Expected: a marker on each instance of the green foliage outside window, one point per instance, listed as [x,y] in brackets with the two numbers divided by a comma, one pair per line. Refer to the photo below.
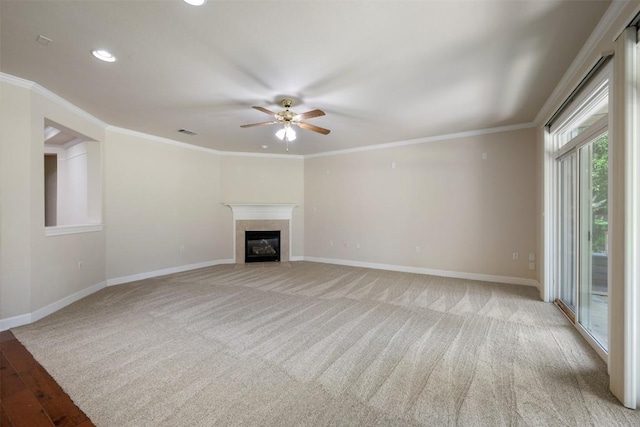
[599,182]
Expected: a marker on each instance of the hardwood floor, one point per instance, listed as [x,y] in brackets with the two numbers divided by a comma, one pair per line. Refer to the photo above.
[29,396]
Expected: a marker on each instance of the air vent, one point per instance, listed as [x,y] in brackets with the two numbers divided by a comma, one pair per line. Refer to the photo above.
[43,40]
[187,131]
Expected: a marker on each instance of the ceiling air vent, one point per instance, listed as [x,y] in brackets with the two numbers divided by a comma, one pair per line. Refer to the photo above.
[187,131]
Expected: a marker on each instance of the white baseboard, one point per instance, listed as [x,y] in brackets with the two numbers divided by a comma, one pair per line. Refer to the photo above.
[25,319]
[429,271]
[165,271]
[62,303]
[15,321]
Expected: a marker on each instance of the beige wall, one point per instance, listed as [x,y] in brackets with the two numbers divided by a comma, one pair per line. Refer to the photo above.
[159,198]
[266,180]
[466,214]
[36,270]
[15,178]
[54,259]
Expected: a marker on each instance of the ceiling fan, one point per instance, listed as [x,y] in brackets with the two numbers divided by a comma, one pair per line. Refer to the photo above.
[288,118]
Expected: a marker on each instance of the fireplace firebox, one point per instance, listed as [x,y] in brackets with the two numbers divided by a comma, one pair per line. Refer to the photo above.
[262,246]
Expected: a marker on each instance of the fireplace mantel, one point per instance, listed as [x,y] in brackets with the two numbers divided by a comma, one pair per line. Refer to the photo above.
[261,212]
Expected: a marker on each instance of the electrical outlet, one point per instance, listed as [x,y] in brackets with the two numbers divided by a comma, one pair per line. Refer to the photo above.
[532,257]
[532,266]
[183,248]
[393,165]
[357,245]
[515,255]
[484,156]
[330,242]
[417,249]
[79,265]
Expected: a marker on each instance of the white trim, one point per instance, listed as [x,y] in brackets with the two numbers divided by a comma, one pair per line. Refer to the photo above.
[592,341]
[15,321]
[28,84]
[17,81]
[62,303]
[166,271]
[160,139]
[295,258]
[424,140]
[188,146]
[429,271]
[60,230]
[266,155]
[633,249]
[261,211]
[632,223]
[592,133]
[592,96]
[25,319]
[549,197]
[582,59]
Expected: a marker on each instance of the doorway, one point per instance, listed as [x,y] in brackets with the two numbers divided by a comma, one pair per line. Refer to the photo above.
[582,180]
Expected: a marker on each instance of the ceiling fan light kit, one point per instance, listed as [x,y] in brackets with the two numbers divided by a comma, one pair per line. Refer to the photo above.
[286,133]
[288,118]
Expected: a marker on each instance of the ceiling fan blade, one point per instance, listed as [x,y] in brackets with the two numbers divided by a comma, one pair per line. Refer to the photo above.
[318,129]
[264,110]
[310,114]
[259,124]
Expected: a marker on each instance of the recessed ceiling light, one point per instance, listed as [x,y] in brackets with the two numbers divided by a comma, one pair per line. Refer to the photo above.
[195,2]
[103,55]
[265,146]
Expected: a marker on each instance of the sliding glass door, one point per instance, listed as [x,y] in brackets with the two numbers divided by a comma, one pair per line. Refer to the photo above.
[582,269]
[567,266]
[594,223]
[581,149]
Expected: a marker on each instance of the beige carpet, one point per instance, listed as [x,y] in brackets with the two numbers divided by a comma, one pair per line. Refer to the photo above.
[315,344]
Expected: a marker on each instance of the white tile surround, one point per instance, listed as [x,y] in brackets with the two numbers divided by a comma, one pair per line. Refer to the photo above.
[253,216]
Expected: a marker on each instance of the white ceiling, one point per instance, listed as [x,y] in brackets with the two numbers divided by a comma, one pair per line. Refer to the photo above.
[383,71]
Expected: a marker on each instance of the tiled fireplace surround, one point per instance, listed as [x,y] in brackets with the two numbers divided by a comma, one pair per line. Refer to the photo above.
[262,217]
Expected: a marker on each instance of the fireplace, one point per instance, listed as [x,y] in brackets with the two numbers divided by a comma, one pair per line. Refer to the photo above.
[262,246]
[259,217]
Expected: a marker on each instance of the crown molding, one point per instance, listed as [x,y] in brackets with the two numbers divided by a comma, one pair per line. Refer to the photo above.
[16,81]
[188,146]
[28,84]
[585,59]
[35,87]
[266,155]
[424,140]
[154,138]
